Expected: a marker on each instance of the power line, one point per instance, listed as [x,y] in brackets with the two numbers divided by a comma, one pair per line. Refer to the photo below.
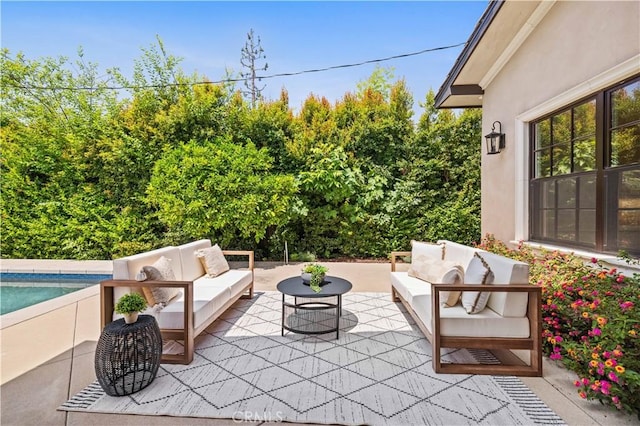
[235,80]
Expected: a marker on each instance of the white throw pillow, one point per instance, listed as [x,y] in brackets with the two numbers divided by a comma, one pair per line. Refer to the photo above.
[438,271]
[213,260]
[479,273]
[161,270]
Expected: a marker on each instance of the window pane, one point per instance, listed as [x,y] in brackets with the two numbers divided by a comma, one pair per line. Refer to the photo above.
[567,224]
[625,104]
[584,119]
[543,163]
[587,232]
[566,193]
[543,133]
[584,155]
[625,145]
[588,192]
[548,225]
[629,229]
[562,127]
[548,195]
[629,190]
[561,160]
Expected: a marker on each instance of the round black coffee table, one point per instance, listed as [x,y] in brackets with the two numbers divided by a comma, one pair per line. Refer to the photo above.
[311,315]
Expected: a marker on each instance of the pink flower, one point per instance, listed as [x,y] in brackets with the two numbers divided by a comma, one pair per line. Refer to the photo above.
[585,381]
[577,383]
[626,305]
[612,376]
[555,356]
[594,260]
[620,278]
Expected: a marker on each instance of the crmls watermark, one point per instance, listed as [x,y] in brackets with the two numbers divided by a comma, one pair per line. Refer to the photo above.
[253,416]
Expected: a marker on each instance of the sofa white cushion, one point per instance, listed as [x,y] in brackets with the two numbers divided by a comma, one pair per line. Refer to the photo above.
[206,301]
[456,322]
[458,253]
[508,271]
[419,248]
[191,266]
[408,287]
[235,280]
[478,273]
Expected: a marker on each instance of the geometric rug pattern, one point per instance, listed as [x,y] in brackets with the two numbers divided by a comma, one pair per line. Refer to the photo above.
[378,372]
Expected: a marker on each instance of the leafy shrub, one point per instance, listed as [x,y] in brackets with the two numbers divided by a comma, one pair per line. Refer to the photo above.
[591,322]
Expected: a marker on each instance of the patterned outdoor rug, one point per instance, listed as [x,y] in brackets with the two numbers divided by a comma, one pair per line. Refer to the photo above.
[378,373]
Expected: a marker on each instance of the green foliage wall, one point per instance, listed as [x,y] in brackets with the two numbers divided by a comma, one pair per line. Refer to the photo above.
[97,174]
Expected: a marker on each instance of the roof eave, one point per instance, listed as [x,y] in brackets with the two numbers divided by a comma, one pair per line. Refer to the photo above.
[448,88]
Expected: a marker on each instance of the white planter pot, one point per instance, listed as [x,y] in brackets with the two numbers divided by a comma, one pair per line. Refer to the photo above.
[131,317]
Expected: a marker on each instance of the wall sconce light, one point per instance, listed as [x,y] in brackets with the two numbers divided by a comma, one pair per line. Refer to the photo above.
[495,140]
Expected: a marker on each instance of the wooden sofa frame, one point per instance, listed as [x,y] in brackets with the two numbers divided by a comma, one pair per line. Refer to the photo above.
[498,346]
[188,333]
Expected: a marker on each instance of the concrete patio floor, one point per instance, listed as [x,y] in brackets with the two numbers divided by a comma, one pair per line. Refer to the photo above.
[48,353]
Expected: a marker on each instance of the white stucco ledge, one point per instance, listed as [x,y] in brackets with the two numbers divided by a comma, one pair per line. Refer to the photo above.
[604,259]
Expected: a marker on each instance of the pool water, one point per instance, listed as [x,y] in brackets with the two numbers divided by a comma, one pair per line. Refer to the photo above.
[19,290]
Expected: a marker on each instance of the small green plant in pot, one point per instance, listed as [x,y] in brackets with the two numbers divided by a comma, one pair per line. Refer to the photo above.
[313,274]
[130,305]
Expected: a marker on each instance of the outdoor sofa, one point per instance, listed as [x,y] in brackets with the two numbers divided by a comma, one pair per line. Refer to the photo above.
[509,324]
[200,300]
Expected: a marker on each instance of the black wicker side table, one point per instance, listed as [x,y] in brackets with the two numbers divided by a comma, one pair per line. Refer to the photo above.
[128,355]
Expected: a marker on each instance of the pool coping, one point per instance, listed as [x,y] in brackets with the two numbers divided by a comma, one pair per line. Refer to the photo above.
[60,266]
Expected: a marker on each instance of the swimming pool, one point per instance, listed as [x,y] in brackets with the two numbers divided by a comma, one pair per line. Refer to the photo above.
[19,290]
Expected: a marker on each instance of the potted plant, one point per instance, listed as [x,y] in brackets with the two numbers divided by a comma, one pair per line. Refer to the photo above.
[313,275]
[130,305]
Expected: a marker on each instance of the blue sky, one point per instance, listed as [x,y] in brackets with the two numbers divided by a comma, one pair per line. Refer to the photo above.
[295,36]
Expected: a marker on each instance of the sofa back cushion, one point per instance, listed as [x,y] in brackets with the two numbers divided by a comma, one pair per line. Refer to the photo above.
[126,268]
[191,265]
[508,271]
[422,249]
[458,253]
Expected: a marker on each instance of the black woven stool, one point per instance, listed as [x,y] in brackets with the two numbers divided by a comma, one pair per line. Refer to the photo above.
[128,355]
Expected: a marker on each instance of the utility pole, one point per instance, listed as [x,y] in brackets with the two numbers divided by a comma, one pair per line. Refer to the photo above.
[252,52]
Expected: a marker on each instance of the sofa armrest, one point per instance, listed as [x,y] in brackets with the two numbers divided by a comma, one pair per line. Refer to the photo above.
[394,255]
[248,253]
[107,304]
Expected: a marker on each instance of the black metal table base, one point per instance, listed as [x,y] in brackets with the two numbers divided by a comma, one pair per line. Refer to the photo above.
[312,317]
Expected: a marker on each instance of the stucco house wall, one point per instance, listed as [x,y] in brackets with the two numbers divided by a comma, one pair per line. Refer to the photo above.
[573,44]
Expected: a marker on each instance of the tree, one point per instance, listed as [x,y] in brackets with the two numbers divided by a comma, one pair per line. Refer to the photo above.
[252,52]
